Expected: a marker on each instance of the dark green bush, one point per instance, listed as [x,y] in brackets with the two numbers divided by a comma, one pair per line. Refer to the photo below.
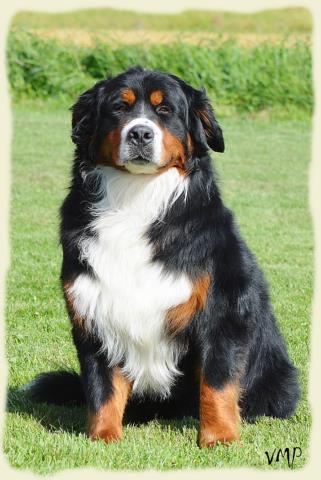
[250,79]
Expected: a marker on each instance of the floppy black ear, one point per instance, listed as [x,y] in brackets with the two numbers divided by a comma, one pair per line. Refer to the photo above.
[204,112]
[84,116]
[203,125]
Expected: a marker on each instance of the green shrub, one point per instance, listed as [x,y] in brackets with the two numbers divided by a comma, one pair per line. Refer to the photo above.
[251,79]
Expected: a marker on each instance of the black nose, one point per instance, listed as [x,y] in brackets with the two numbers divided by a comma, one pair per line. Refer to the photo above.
[140,135]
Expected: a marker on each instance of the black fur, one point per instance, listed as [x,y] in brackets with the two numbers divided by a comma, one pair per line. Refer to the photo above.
[236,334]
[60,388]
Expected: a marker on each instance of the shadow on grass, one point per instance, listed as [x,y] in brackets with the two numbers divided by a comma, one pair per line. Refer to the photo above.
[52,417]
[72,419]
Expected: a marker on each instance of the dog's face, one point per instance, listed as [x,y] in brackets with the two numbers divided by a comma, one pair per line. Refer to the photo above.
[145,121]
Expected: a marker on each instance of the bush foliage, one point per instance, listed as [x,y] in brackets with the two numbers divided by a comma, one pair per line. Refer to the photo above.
[249,78]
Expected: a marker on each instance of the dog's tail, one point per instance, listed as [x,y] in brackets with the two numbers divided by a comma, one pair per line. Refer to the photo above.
[58,388]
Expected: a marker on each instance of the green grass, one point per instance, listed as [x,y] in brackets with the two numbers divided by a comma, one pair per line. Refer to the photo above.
[288,20]
[264,179]
[266,76]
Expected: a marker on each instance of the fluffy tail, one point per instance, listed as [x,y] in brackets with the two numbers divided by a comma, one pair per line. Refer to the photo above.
[58,388]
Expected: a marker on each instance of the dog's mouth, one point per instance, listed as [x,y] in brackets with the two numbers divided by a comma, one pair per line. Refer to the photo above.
[140,160]
[140,165]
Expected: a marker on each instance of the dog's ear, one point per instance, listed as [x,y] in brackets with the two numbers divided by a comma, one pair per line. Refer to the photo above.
[203,110]
[84,116]
[203,125]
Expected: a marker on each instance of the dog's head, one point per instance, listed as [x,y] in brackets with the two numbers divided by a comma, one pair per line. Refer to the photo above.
[144,121]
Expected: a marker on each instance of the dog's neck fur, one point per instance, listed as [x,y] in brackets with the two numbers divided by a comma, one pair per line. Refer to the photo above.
[144,196]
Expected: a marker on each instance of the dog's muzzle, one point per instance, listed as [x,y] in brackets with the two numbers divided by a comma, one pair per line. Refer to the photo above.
[140,148]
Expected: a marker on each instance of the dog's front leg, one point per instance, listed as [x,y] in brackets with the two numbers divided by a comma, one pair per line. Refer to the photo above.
[105,422]
[222,360]
[219,413]
[107,390]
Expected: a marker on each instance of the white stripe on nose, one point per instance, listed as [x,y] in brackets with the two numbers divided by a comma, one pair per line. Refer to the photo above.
[157,140]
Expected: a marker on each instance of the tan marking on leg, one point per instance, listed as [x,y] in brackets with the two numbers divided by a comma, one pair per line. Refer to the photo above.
[178,317]
[128,96]
[156,97]
[219,414]
[106,424]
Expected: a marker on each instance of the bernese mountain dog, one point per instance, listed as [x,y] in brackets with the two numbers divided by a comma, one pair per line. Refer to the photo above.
[169,309]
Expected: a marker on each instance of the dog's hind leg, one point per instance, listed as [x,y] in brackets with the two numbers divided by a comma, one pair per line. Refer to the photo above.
[270,383]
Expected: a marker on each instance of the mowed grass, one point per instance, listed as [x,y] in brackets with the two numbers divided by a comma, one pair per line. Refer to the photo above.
[286,20]
[263,175]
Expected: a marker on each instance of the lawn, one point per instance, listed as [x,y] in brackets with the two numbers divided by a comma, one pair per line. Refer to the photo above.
[286,20]
[263,175]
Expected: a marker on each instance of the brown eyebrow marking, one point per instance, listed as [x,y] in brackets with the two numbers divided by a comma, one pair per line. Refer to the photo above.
[156,97]
[128,96]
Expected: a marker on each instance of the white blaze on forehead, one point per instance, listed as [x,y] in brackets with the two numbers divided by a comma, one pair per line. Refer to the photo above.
[157,141]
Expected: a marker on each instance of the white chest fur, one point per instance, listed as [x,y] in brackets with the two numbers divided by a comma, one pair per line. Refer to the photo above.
[127,302]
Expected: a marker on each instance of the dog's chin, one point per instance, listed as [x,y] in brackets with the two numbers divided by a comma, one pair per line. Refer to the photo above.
[141,166]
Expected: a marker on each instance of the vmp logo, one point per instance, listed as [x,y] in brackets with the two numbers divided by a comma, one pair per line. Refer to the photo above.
[287,454]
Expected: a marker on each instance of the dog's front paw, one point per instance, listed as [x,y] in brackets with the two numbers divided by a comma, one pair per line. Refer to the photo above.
[208,439]
[108,435]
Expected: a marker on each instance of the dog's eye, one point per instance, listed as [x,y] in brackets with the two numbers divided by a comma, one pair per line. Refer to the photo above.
[120,107]
[163,109]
